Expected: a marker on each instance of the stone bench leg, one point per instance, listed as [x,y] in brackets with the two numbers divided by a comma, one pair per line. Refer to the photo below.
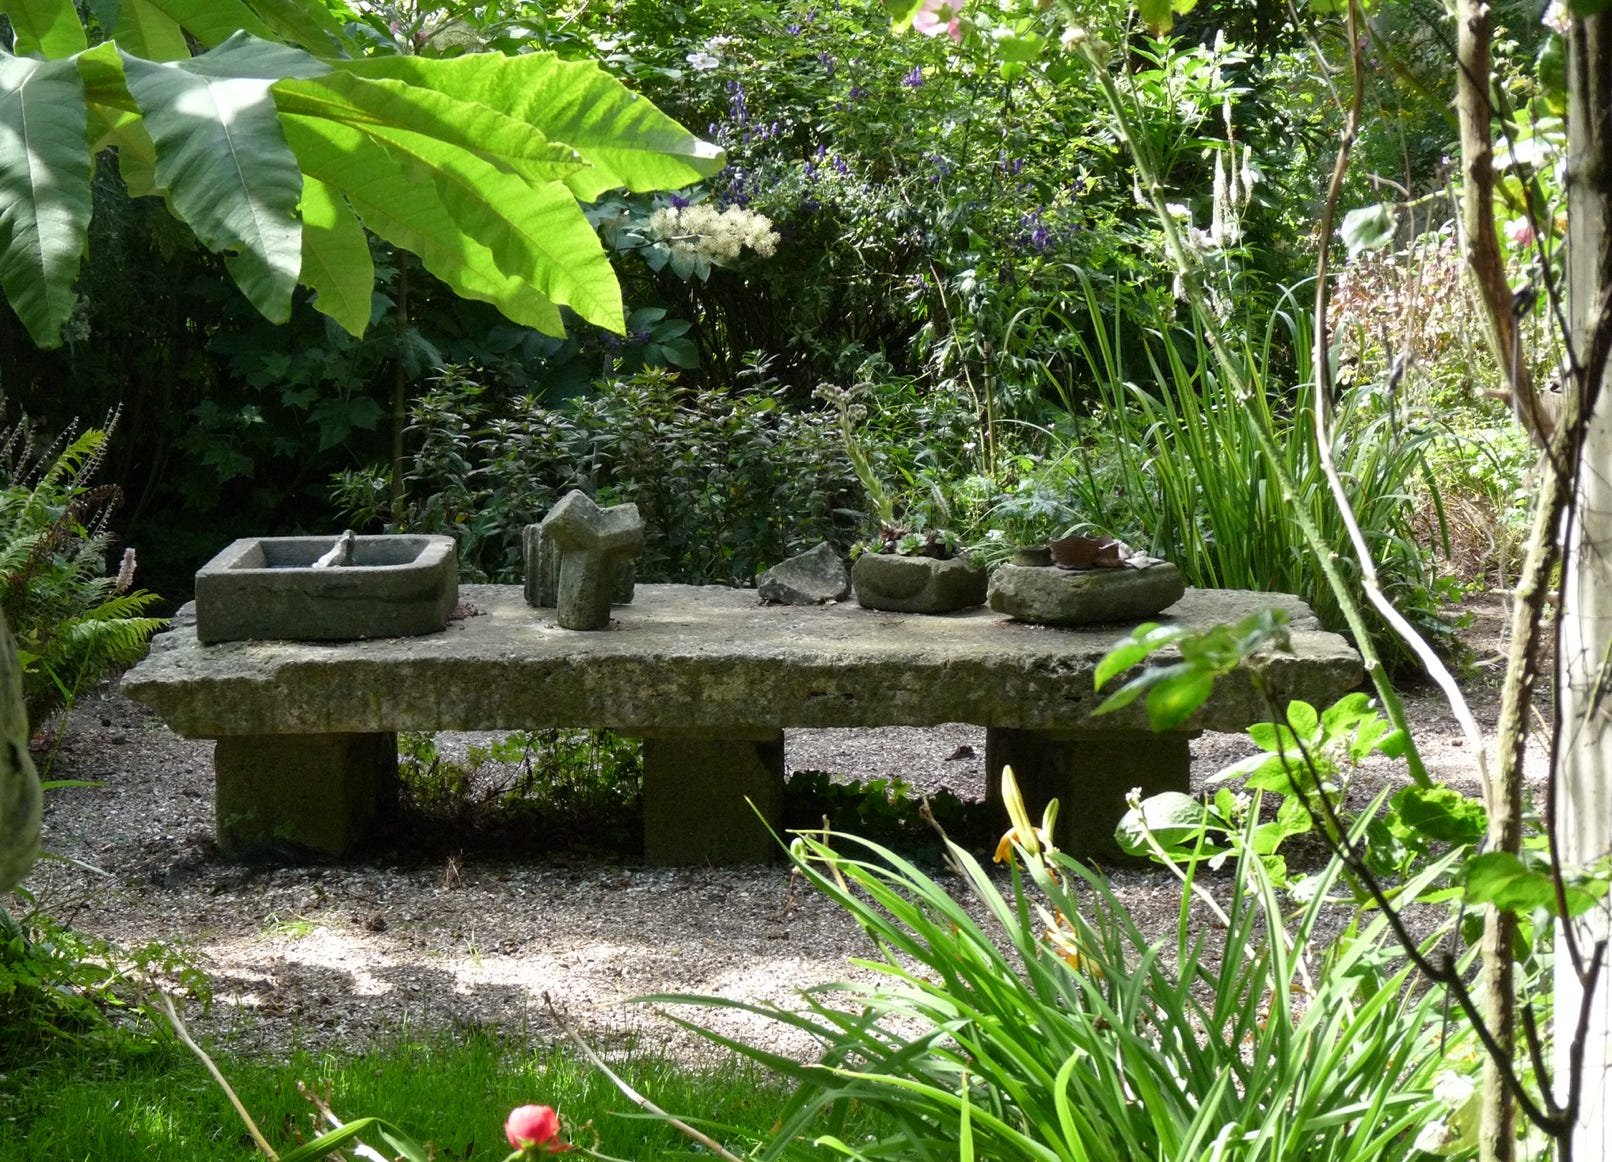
[297,793]
[1089,773]
[694,799]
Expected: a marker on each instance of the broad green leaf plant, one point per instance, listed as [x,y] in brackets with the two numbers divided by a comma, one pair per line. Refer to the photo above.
[279,149]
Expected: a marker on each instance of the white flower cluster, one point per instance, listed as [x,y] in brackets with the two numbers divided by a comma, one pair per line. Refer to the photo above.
[717,236]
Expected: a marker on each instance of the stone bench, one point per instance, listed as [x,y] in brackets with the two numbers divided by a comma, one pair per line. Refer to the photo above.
[306,753]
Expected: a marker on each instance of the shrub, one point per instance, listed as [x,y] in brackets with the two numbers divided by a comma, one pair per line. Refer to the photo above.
[728,483]
[72,621]
[58,984]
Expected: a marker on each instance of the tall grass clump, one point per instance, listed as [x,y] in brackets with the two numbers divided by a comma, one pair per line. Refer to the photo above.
[1171,457]
[1039,1021]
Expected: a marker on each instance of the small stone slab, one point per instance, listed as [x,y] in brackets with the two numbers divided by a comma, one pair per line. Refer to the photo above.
[900,584]
[1054,596]
[592,542]
[808,578]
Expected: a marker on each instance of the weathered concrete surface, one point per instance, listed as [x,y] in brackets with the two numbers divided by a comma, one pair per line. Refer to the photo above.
[268,587]
[697,662]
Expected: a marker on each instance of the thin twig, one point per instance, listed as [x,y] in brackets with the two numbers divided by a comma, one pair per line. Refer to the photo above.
[1445,973]
[167,1005]
[632,1094]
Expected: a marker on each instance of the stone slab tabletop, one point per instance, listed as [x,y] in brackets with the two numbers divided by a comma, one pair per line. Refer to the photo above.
[699,662]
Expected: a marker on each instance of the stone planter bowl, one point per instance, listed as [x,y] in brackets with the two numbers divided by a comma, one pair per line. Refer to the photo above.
[900,584]
[1054,596]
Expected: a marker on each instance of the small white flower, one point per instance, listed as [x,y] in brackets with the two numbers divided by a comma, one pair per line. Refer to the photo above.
[1433,1137]
[703,61]
[1452,1089]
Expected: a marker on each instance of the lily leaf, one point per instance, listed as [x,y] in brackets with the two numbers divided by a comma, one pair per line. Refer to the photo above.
[410,214]
[44,189]
[223,161]
[421,122]
[47,28]
[625,140]
[335,257]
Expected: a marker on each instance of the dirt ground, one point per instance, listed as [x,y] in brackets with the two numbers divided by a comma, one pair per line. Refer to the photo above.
[347,954]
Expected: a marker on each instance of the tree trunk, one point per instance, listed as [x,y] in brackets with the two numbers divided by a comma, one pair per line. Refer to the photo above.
[1584,671]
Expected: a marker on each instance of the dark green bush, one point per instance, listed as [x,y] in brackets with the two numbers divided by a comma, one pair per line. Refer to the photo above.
[728,483]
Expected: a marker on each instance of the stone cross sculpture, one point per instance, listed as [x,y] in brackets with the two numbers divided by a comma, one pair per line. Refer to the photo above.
[593,545]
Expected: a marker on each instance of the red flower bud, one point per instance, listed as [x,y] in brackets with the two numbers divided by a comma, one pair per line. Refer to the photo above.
[531,1126]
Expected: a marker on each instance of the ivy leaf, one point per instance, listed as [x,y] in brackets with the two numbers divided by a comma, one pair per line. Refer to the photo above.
[1441,813]
[1145,640]
[1368,228]
[1159,15]
[1502,879]
[1301,716]
[1173,818]
[1173,700]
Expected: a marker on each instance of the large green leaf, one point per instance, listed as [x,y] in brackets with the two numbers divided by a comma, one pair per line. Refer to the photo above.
[309,25]
[44,189]
[626,141]
[335,257]
[223,161]
[213,21]
[47,28]
[146,31]
[422,122]
[394,202]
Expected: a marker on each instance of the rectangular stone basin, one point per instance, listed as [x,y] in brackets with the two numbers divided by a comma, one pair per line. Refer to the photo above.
[266,589]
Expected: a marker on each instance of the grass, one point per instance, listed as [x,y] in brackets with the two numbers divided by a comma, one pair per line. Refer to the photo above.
[137,1099]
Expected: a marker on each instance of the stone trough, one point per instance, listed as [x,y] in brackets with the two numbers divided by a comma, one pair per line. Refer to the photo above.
[710,679]
[268,588]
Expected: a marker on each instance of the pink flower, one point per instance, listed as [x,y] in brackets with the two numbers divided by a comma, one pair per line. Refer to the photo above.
[532,1126]
[1520,231]
[937,16]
